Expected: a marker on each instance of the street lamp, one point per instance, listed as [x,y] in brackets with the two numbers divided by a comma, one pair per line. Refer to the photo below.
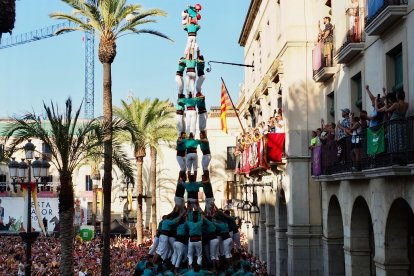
[21,174]
[255,212]
[246,208]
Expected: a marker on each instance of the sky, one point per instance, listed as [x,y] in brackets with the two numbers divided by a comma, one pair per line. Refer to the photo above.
[145,65]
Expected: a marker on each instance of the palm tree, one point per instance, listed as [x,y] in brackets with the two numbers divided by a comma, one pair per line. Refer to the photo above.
[150,122]
[161,131]
[70,143]
[7,16]
[109,19]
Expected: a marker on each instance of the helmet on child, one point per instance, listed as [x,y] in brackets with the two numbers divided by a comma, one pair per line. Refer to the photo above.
[198,7]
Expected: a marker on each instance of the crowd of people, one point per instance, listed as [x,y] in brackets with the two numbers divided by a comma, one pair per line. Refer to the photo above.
[125,253]
[126,258]
[253,140]
[346,136]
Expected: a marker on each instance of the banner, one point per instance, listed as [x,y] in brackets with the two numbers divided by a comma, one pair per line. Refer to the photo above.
[275,146]
[316,161]
[14,210]
[375,141]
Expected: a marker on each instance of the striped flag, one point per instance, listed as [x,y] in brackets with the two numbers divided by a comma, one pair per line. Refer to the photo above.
[224,106]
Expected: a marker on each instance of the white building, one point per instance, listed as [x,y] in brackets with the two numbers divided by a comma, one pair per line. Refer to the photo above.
[339,222]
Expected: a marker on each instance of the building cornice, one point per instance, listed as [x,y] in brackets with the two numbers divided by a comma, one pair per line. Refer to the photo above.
[249,20]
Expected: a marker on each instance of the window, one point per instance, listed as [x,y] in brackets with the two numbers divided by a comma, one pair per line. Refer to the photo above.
[395,75]
[231,159]
[46,151]
[88,183]
[330,106]
[356,91]
[46,180]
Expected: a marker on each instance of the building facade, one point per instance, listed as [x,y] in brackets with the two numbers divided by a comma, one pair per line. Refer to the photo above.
[340,221]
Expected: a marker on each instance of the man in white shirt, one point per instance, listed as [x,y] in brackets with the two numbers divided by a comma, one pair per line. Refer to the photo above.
[279,126]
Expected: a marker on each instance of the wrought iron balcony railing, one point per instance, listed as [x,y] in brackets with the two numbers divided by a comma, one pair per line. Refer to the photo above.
[398,149]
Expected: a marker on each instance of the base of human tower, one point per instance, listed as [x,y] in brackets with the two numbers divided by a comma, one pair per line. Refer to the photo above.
[192,241]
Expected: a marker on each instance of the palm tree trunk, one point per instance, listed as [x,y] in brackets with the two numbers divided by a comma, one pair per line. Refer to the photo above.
[140,190]
[107,180]
[66,212]
[153,171]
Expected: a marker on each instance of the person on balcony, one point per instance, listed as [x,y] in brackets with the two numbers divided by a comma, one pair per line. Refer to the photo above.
[314,140]
[355,130]
[342,134]
[279,124]
[396,127]
[375,117]
[354,32]
[327,38]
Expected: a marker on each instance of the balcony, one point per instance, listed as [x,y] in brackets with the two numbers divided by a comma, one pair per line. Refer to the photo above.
[395,158]
[51,189]
[322,71]
[382,14]
[354,40]
[260,155]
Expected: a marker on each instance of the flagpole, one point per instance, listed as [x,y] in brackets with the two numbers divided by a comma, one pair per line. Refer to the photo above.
[235,110]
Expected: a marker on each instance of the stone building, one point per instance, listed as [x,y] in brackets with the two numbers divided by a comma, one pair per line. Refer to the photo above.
[340,221]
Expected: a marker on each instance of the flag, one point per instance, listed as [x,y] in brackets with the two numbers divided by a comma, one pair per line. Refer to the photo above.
[224,106]
[275,146]
[375,141]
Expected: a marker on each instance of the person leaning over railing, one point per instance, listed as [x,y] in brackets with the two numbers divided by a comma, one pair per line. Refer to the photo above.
[355,130]
[342,134]
[396,130]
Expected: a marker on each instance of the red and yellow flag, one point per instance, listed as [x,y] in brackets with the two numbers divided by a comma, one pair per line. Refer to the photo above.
[225,105]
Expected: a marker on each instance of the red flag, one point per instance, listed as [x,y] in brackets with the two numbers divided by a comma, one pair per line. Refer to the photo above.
[275,146]
[224,106]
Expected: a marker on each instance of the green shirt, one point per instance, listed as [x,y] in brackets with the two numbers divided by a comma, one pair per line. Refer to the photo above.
[180,146]
[181,65]
[189,102]
[208,226]
[195,228]
[182,230]
[204,146]
[192,28]
[200,67]
[221,227]
[168,224]
[193,186]
[201,104]
[191,63]
[191,143]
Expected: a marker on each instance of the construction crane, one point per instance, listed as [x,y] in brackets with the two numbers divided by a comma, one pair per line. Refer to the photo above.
[89,57]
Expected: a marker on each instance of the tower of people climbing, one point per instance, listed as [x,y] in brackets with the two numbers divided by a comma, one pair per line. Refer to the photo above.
[190,235]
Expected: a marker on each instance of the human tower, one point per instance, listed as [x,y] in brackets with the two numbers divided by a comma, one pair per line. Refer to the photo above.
[190,235]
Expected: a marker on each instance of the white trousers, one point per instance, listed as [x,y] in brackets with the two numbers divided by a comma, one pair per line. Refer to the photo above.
[181,162]
[180,82]
[214,249]
[192,160]
[171,241]
[180,252]
[180,123]
[191,78]
[200,81]
[163,247]
[202,121]
[179,201]
[205,161]
[191,44]
[190,121]
[154,245]
[226,248]
[195,248]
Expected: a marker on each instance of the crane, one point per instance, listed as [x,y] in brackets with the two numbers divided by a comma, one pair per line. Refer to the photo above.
[50,31]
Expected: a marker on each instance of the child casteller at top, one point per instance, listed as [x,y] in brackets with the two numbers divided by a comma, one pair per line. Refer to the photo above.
[191,14]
